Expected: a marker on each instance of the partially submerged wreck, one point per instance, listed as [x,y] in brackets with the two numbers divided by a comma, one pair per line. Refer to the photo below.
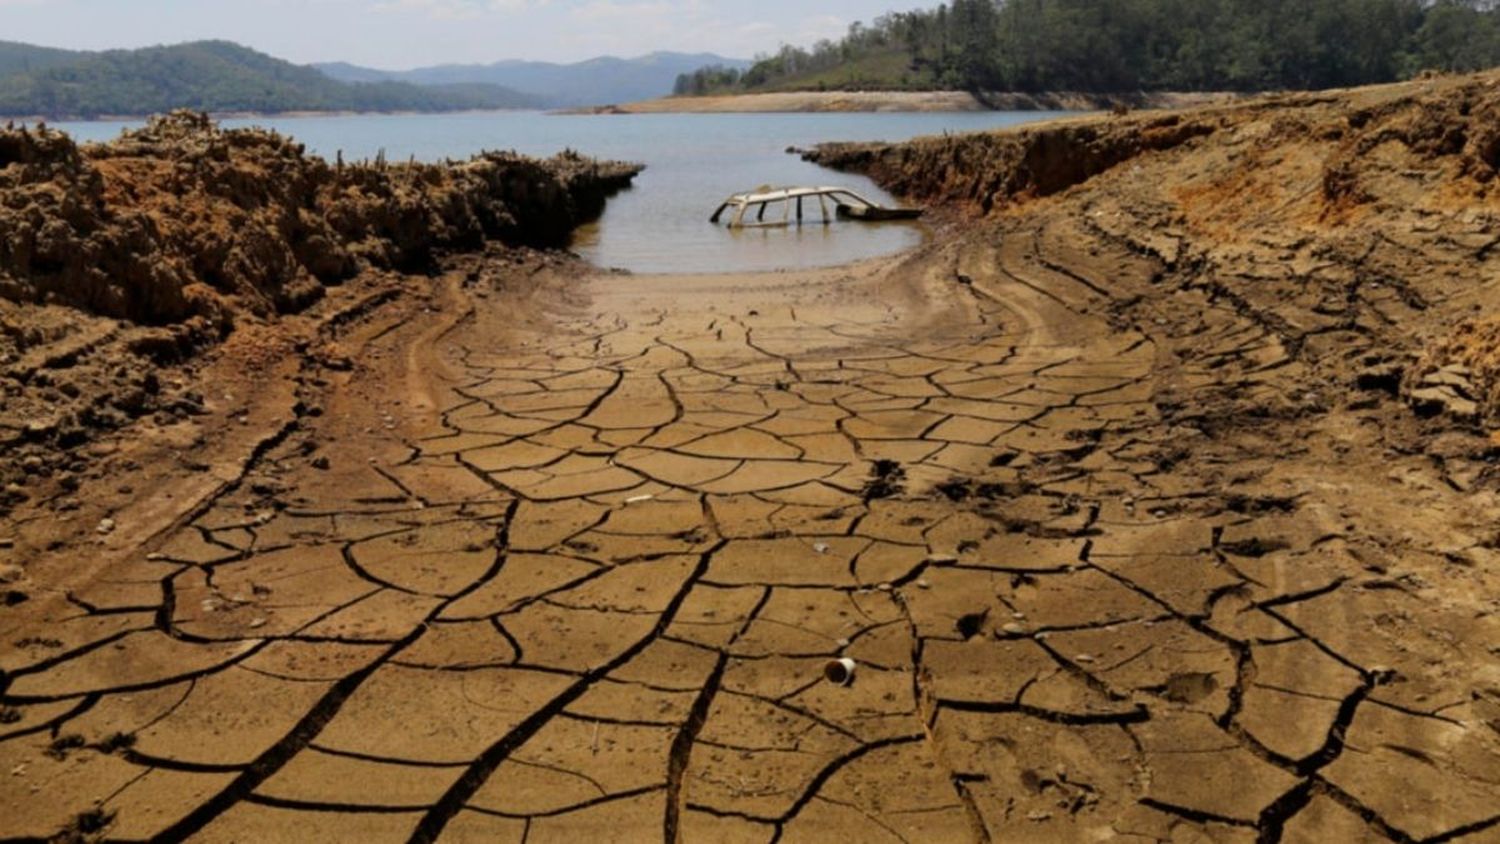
[791,203]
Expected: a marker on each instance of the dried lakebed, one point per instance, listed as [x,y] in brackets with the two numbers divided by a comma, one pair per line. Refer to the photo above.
[559,560]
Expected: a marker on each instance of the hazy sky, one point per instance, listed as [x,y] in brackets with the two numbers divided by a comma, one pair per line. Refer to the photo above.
[399,34]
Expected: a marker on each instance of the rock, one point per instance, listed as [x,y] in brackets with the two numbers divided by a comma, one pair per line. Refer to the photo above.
[322,462]
[1445,378]
[1434,400]
[40,429]
[105,526]
[1013,628]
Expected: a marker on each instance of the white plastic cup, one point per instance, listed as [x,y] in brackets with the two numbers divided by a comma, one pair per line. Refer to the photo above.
[839,672]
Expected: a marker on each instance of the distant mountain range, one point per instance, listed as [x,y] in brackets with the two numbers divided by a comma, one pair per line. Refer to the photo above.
[598,81]
[214,76]
[221,76]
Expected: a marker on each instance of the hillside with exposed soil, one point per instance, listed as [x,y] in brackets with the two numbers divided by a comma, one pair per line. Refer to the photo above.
[122,258]
[1367,218]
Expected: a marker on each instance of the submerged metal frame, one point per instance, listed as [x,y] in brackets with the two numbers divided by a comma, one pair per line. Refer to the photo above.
[764,197]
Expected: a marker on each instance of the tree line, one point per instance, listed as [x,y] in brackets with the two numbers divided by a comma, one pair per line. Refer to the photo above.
[208,76]
[1133,45]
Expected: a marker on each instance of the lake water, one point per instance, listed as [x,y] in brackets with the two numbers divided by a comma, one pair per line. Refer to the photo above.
[693,162]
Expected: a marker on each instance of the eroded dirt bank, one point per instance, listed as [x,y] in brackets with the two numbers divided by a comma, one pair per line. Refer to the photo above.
[121,262]
[1123,499]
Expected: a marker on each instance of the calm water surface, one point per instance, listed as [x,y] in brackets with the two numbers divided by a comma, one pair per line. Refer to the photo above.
[693,162]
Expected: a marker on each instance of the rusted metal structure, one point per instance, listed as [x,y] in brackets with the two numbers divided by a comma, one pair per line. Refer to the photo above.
[791,203]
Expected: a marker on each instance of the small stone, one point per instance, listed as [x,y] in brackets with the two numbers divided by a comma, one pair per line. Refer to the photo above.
[1083,658]
[941,559]
[1443,399]
[884,587]
[1459,383]
[322,463]
[821,547]
[1014,629]
[105,526]
[156,556]
[1038,816]
[7,542]
[924,584]
[257,622]
[38,428]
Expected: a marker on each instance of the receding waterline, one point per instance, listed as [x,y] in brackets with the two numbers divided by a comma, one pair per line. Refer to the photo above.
[693,161]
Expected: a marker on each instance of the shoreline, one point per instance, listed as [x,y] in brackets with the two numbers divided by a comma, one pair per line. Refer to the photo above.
[33,119]
[905,101]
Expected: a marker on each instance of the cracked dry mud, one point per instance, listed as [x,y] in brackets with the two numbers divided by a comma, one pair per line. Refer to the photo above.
[1119,549]
[575,569]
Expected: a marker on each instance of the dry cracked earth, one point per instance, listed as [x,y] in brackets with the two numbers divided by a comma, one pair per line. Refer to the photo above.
[572,568]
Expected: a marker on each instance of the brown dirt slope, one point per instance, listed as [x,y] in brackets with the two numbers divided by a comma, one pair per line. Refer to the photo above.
[119,259]
[168,222]
[1370,212]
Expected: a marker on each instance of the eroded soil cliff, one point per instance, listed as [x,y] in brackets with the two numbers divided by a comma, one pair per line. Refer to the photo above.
[122,258]
[1359,224]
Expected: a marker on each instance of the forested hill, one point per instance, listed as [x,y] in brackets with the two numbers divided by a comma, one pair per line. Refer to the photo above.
[606,79]
[1132,45]
[214,76]
[25,58]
